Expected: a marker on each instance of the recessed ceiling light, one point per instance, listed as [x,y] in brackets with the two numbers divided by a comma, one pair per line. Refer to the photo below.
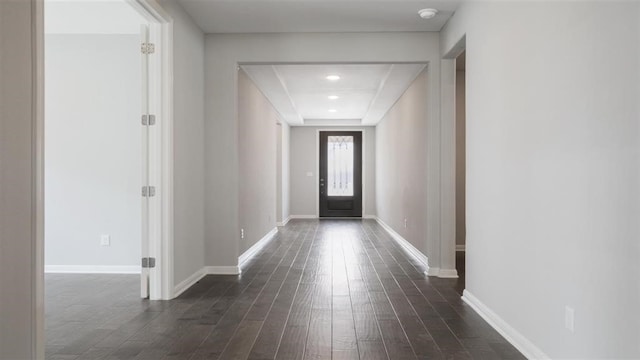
[333,97]
[333,110]
[427,13]
[333,77]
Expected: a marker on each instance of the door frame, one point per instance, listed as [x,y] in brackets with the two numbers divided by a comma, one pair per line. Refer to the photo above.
[160,147]
[364,167]
[448,160]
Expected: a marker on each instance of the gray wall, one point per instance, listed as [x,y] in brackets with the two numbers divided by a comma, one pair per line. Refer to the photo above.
[286,171]
[257,125]
[188,143]
[93,146]
[21,226]
[224,52]
[304,159]
[553,170]
[283,134]
[461,231]
[401,167]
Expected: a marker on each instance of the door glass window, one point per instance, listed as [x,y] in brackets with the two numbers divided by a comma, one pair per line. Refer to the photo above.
[340,166]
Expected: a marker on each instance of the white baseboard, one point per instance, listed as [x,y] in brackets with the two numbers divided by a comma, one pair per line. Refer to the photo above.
[369,217]
[222,270]
[461,247]
[410,248]
[284,222]
[303,216]
[526,347]
[92,269]
[448,273]
[432,271]
[257,247]
[188,282]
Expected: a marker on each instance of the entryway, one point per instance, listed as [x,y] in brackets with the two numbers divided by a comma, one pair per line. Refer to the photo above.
[340,182]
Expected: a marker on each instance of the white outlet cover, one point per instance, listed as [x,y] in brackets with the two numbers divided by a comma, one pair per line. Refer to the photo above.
[569,318]
[309,174]
[105,240]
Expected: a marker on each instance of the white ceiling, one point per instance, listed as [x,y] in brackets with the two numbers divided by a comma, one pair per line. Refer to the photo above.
[260,16]
[91,17]
[300,93]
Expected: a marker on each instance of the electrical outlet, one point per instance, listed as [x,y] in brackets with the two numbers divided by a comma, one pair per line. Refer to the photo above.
[241,233]
[569,317]
[405,223]
[105,240]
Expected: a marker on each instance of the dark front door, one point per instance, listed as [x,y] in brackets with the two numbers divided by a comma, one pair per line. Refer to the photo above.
[340,174]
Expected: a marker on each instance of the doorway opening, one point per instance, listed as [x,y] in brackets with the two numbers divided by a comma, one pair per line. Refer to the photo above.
[107,131]
[460,125]
[94,164]
[106,163]
[340,180]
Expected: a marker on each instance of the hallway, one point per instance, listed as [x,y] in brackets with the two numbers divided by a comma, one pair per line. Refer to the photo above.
[330,289]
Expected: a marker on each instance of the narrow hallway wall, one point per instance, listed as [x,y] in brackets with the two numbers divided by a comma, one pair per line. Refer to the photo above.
[257,124]
[188,143]
[401,166]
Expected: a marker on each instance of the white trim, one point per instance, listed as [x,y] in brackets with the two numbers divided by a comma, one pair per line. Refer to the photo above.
[303,217]
[257,247]
[222,270]
[365,216]
[526,347]
[161,149]
[285,222]
[407,246]
[188,282]
[432,271]
[447,176]
[448,273]
[462,247]
[92,269]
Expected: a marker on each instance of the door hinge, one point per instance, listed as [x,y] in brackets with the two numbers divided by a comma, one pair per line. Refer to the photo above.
[148,120]
[148,262]
[148,191]
[148,48]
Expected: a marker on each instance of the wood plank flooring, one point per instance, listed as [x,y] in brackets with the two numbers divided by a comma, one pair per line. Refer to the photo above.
[328,289]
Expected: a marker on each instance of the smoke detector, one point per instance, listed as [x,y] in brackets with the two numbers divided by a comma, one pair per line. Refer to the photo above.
[427,13]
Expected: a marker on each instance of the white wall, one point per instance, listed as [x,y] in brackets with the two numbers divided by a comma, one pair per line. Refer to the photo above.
[401,169]
[93,147]
[188,143]
[553,170]
[460,158]
[257,124]
[223,54]
[304,159]
[21,218]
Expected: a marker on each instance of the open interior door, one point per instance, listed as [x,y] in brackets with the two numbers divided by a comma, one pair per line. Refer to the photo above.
[147,191]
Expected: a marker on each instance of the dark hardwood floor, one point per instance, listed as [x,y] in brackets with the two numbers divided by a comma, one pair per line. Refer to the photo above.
[330,289]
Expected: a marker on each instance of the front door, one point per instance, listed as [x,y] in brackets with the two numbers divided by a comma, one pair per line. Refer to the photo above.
[340,174]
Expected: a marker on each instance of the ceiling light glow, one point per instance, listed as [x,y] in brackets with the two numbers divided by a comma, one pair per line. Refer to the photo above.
[333,77]
[427,13]
[333,110]
[333,97]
